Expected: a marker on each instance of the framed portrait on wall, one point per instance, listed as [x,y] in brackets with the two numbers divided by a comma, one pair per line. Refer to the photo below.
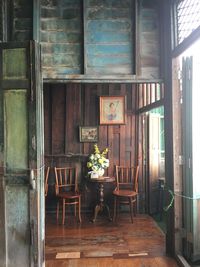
[88,133]
[112,109]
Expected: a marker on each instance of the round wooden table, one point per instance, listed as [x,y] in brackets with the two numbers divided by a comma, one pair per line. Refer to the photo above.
[101,205]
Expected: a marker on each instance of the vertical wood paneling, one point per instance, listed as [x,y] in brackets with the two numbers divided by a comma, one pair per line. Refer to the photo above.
[58,119]
[74,105]
[73,110]
[47,120]
[109,37]
[67,106]
[122,143]
[91,110]
[142,158]
[112,147]
[61,37]
[148,39]
[128,146]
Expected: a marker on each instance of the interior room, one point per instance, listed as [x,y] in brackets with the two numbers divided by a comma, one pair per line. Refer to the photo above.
[99,133]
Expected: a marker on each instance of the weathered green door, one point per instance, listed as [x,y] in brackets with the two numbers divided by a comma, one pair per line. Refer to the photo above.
[21,156]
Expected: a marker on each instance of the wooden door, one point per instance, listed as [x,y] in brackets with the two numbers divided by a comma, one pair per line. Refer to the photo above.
[191,147]
[21,156]
[187,153]
[154,160]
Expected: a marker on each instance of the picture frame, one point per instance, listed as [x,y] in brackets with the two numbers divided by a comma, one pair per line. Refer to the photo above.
[88,133]
[112,109]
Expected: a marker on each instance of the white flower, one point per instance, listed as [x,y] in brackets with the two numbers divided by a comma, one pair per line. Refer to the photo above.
[97,160]
[91,156]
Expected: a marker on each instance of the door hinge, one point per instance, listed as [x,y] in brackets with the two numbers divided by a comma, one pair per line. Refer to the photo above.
[189,163]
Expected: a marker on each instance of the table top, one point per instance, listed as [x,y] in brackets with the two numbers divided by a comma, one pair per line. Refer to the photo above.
[103,179]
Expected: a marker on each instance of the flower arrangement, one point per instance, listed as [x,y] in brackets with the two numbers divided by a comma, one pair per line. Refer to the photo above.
[98,161]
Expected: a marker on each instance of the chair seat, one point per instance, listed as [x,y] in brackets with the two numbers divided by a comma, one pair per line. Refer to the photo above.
[124,193]
[68,195]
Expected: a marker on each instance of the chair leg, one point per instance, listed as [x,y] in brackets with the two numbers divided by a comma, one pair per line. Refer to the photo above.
[75,210]
[79,209]
[57,211]
[131,208]
[63,212]
[135,206]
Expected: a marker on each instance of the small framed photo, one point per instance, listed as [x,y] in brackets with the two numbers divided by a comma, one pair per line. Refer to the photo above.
[88,133]
[112,109]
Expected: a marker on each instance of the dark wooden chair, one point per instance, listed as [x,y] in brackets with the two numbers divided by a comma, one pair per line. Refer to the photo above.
[126,190]
[67,192]
[46,186]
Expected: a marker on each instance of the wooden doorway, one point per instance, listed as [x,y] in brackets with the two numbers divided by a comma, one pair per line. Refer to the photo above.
[151,125]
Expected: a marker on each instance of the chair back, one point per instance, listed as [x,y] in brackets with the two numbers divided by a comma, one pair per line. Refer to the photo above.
[66,180]
[127,178]
[47,169]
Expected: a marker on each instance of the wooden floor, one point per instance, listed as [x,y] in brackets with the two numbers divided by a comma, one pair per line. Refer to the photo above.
[104,243]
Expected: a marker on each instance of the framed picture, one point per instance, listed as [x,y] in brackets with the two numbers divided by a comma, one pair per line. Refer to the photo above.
[112,109]
[88,133]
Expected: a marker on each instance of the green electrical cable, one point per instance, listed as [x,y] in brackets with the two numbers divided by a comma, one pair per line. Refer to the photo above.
[171,202]
[172,195]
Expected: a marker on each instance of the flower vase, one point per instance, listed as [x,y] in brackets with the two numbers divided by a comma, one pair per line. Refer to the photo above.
[94,175]
[101,172]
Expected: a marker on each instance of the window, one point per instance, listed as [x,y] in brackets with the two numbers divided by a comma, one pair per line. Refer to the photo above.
[188,18]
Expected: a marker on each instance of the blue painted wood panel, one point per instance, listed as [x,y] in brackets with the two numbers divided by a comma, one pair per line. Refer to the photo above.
[106,49]
[61,38]
[149,41]
[109,37]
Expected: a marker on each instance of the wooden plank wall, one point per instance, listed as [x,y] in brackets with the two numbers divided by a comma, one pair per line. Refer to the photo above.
[20,14]
[100,37]
[109,36]
[148,39]
[61,37]
[66,107]
[92,37]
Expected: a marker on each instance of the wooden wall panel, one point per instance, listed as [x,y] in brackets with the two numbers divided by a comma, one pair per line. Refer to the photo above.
[93,36]
[61,38]
[20,12]
[67,106]
[72,118]
[129,142]
[148,40]
[58,119]
[109,42]
[47,121]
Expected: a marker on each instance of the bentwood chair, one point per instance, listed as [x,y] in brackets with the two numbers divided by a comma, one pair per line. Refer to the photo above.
[47,169]
[126,190]
[67,193]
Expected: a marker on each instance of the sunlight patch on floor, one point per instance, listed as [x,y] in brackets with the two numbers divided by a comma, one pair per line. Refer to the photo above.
[68,255]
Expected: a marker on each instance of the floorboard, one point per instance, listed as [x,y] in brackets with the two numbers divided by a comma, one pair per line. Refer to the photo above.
[106,243]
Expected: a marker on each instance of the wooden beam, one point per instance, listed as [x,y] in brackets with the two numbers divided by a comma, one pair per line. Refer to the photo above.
[101,79]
